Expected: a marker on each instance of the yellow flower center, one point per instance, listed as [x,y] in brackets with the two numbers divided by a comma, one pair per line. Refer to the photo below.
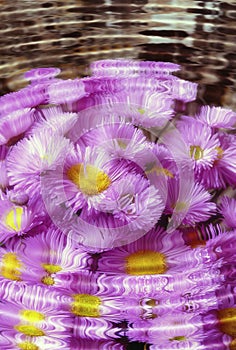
[86,305]
[196,152]
[14,218]
[121,144]
[151,168]
[90,181]
[179,206]
[29,330]
[178,338]
[10,264]
[227,319]
[50,268]
[27,346]
[146,262]
[32,316]
[48,280]
[141,110]
[220,152]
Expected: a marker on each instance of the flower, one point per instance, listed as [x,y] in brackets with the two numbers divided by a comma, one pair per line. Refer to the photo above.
[44,259]
[14,125]
[116,139]
[178,331]
[55,119]
[227,207]
[42,151]
[222,172]
[152,254]
[132,201]
[217,117]
[200,140]
[86,303]
[189,204]
[20,219]
[31,317]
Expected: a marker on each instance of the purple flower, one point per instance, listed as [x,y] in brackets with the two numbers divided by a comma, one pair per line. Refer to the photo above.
[14,125]
[42,151]
[201,142]
[177,331]
[32,315]
[132,201]
[189,204]
[217,117]
[223,170]
[84,301]
[44,258]
[153,254]
[19,219]
[227,208]
[55,119]
[116,139]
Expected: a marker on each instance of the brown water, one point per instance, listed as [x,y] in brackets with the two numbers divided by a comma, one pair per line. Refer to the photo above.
[200,35]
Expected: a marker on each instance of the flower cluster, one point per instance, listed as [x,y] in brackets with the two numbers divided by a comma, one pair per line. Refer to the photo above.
[117,213]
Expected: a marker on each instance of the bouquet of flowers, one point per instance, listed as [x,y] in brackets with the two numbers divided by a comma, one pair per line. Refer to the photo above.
[117,213]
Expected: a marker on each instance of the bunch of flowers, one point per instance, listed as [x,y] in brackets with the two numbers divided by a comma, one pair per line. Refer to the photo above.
[117,213]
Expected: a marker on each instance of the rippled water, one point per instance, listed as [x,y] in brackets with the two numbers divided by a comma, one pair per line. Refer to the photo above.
[200,35]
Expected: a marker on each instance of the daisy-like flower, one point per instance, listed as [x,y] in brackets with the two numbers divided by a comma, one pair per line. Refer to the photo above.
[220,322]
[201,142]
[117,139]
[31,318]
[19,219]
[177,331]
[55,119]
[188,204]
[217,117]
[223,169]
[29,97]
[65,91]
[44,258]
[42,151]
[153,254]
[14,125]
[227,207]
[145,108]
[86,303]
[132,201]
[84,179]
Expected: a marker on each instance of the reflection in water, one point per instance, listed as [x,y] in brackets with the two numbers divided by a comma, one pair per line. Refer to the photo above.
[200,35]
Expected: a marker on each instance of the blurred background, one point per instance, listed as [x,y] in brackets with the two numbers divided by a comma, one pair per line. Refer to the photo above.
[70,34]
